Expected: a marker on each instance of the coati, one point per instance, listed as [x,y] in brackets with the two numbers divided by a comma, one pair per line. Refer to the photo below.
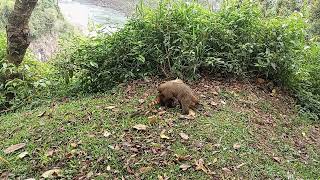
[177,90]
[170,94]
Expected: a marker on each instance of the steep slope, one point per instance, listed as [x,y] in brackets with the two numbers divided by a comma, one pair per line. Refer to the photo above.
[244,131]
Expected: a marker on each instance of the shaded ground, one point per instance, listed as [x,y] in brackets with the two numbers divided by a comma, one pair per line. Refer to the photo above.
[244,131]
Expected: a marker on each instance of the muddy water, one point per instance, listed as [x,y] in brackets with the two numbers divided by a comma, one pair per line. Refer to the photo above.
[85,15]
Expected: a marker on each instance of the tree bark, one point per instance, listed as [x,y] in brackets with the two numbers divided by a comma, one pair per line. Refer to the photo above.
[18,32]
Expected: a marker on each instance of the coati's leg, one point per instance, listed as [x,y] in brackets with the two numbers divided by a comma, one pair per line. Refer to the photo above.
[185,105]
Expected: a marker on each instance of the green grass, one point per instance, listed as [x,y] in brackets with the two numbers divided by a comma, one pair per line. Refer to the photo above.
[266,127]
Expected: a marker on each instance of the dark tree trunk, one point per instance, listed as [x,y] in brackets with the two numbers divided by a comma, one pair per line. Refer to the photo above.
[18,32]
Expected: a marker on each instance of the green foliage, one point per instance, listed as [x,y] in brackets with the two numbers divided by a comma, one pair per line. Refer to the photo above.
[29,88]
[307,80]
[44,17]
[179,39]
[315,18]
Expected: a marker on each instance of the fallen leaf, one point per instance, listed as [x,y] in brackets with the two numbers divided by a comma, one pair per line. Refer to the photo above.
[42,114]
[145,169]
[186,117]
[52,173]
[141,101]
[164,177]
[140,127]
[213,103]
[160,113]
[13,148]
[50,152]
[74,145]
[277,159]
[226,170]
[236,146]
[110,107]
[163,136]
[184,167]
[215,93]
[23,154]
[223,102]
[260,81]
[240,165]
[200,165]
[215,160]
[273,92]
[182,158]
[184,136]
[152,119]
[108,168]
[106,134]
[89,175]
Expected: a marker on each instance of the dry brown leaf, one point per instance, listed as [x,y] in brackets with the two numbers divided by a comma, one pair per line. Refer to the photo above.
[226,170]
[274,92]
[215,93]
[186,117]
[13,148]
[140,127]
[52,173]
[106,134]
[200,165]
[240,165]
[277,159]
[214,160]
[213,103]
[182,158]
[110,107]
[42,114]
[145,169]
[74,145]
[164,177]
[89,175]
[23,154]
[160,113]
[236,146]
[184,136]
[141,101]
[50,152]
[184,167]
[260,81]
[152,119]
[163,136]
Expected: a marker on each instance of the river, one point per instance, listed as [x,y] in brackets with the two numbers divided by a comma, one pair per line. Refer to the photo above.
[85,15]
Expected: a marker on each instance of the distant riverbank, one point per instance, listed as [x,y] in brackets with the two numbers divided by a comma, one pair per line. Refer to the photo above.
[124,6]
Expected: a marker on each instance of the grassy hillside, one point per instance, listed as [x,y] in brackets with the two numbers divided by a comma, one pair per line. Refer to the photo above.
[242,132]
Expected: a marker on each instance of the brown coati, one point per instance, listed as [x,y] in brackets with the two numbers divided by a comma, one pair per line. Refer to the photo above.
[176,90]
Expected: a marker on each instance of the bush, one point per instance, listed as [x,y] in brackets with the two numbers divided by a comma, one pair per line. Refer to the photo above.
[28,85]
[179,39]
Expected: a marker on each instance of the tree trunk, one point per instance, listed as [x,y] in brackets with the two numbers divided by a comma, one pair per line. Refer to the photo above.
[18,32]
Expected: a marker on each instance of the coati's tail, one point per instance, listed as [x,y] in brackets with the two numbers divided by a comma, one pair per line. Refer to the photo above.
[154,102]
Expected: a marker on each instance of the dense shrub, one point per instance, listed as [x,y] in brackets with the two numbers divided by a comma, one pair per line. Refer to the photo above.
[31,85]
[179,39]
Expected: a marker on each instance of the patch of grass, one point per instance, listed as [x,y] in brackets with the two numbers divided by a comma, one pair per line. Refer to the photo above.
[88,136]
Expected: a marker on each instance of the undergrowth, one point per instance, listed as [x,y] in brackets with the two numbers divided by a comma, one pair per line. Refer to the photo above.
[186,40]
